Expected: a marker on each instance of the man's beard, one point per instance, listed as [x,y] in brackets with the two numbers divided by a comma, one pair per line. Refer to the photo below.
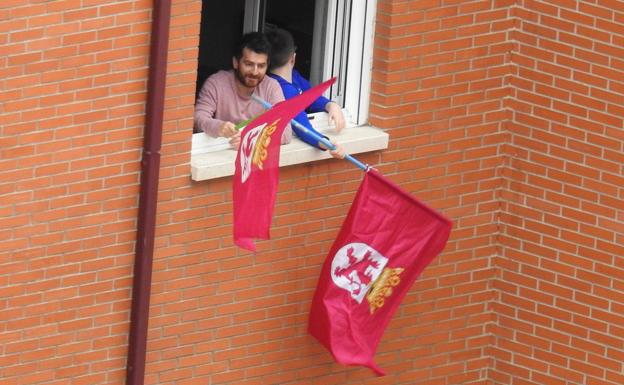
[248,81]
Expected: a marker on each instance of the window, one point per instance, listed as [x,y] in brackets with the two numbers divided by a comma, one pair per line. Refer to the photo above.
[333,37]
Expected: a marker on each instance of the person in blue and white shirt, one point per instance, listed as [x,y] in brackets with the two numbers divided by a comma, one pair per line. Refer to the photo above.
[282,69]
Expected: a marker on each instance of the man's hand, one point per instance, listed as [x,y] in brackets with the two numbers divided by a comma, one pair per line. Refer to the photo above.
[227,129]
[235,140]
[335,115]
[338,153]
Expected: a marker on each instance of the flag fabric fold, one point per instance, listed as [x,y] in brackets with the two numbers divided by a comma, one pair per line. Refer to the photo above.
[386,241]
[257,167]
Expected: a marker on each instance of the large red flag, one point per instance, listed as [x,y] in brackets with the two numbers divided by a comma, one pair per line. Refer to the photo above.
[257,165]
[386,241]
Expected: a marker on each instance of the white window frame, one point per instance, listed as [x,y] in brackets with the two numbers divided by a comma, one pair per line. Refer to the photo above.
[349,36]
[346,47]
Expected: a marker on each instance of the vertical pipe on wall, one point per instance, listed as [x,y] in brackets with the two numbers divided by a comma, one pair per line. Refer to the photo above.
[148,195]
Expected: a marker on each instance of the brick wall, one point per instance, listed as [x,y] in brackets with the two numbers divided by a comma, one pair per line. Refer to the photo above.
[72,91]
[504,115]
[561,311]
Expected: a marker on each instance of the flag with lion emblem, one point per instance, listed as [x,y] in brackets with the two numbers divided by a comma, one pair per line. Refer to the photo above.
[386,241]
[257,165]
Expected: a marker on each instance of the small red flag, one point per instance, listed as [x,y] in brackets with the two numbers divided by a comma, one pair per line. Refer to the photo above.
[257,167]
[386,241]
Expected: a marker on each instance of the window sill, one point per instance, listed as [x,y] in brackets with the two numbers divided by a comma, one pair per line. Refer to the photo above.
[211,164]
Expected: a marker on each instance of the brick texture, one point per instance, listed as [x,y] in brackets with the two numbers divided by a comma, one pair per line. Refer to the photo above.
[559,308]
[506,116]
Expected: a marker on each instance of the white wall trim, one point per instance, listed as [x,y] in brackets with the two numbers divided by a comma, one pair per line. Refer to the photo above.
[220,163]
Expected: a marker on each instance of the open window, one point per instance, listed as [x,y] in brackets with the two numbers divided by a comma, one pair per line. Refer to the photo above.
[333,37]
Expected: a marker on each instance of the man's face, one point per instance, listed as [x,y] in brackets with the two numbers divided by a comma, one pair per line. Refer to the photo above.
[250,68]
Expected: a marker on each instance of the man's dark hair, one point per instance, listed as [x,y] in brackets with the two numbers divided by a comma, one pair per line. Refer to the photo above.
[282,47]
[255,41]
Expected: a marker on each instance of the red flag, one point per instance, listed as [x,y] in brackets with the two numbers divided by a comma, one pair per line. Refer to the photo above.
[386,241]
[257,165]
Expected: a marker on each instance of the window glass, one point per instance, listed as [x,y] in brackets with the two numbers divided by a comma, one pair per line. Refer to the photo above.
[297,17]
[221,27]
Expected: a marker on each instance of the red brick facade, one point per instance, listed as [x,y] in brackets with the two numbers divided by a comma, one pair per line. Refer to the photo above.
[507,116]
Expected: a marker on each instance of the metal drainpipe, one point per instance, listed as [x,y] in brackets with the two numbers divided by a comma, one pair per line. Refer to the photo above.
[148,195]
